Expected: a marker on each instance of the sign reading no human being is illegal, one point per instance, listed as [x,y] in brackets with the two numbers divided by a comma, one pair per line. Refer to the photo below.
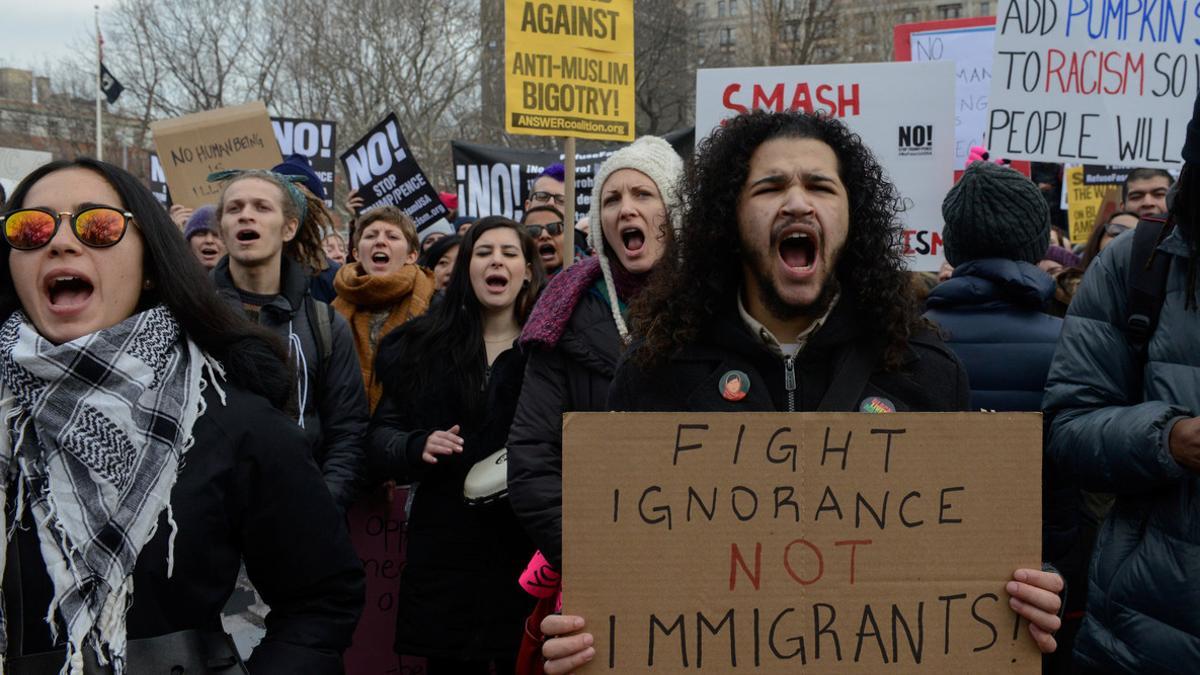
[569,68]
[801,542]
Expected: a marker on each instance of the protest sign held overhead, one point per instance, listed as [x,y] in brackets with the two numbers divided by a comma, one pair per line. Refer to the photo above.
[381,167]
[967,43]
[193,146]
[816,542]
[158,181]
[1094,82]
[316,140]
[569,68]
[909,128]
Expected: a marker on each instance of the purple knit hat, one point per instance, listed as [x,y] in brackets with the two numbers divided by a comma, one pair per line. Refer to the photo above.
[1062,256]
[202,219]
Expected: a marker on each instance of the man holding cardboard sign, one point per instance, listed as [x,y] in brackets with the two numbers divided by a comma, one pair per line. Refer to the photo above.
[816,317]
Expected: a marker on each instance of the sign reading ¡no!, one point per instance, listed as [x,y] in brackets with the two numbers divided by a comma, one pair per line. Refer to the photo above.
[770,542]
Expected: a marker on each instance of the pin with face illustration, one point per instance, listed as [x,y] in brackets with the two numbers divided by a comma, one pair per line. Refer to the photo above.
[876,404]
[734,385]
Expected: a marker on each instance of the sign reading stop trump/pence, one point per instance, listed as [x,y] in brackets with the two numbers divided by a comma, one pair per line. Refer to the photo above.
[569,68]
[833,542]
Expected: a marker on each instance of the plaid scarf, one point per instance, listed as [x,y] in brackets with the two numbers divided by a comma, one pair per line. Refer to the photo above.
[97,429]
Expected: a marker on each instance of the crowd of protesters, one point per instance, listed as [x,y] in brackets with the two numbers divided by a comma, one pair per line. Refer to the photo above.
[196,393]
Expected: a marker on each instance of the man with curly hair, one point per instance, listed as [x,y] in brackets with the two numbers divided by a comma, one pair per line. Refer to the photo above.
[787,276]
[813,305]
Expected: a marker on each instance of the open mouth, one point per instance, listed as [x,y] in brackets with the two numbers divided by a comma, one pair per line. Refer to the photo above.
[209,251]
[496,282]
[547,251]
[380,258]
[69,291]
[633,239]
[247,235]
[798,251]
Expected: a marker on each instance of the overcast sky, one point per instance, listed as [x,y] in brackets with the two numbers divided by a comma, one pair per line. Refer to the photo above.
[40,32]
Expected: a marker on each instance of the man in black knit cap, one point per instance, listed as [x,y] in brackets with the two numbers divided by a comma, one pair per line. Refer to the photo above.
[1122,402]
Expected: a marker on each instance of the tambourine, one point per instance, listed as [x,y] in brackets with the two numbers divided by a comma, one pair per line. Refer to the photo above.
[487,481]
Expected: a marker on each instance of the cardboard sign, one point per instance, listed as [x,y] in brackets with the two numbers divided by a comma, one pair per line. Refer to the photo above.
[496,181]
[383,170]
[316,140]
[909,128]
[1094,82]
[775,542]
[193,146]
[967,43]
[568,68]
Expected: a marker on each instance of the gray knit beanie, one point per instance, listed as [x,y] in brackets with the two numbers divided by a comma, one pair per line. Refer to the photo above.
[995,212]
[658,160]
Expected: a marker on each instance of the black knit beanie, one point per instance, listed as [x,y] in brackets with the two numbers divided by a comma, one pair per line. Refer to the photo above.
[995,212]
[1191,146]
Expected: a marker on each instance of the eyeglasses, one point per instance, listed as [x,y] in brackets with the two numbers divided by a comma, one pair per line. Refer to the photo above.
[543,196]
[96,226]
[554,229]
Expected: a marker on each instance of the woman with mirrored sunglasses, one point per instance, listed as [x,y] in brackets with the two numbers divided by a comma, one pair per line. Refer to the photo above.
[145,454]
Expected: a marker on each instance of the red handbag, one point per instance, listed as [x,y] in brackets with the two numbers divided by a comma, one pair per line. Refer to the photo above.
[529,656]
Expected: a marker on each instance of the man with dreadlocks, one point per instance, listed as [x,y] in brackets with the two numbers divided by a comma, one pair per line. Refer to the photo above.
[812,312]
[1122,401]
[272,232]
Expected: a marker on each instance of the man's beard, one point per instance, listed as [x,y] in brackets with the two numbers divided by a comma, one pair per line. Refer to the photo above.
[784,311]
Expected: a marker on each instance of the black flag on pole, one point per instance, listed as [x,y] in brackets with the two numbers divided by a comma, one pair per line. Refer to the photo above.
[109,85]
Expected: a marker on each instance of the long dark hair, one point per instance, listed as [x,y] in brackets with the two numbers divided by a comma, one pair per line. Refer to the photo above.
[699,275]
[253,358]
[453,329]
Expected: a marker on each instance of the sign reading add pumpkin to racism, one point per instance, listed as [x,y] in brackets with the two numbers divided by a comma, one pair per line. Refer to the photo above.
[1096,82]
[569,68]
[385,173]
[828,542]
[903,111]
[193,146]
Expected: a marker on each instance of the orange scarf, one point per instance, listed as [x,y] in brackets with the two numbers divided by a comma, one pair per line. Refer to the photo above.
[361,297]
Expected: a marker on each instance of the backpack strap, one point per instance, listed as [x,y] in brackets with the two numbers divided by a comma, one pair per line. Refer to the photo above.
[320,320]
[1147,283]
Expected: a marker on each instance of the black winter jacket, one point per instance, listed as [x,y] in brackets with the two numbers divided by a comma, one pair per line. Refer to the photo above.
[247,490]
[574,376]
[932,379]
[331,395]
[459,596]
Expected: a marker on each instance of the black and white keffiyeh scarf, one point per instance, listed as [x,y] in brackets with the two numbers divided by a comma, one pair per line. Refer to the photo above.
[95,433]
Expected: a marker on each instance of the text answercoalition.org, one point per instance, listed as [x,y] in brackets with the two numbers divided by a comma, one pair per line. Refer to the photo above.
[568,123]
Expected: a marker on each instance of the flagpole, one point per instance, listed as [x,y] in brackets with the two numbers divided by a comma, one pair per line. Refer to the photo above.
[99,58]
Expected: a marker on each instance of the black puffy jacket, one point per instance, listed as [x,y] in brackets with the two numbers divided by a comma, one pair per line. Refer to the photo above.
[459,598]
[331,396]
[572,376]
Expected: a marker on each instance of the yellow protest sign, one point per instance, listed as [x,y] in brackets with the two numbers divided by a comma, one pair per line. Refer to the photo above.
[569,68]
[1084,202]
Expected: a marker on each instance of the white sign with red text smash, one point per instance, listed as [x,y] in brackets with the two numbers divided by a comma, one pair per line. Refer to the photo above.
[904,112]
